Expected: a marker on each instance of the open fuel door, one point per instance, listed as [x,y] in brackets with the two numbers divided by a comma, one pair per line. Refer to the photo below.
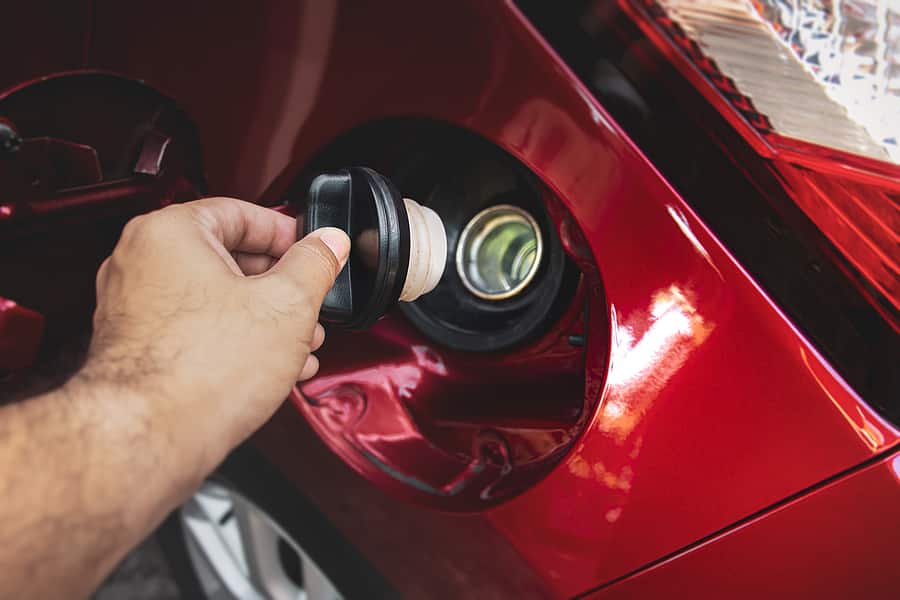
[80,154]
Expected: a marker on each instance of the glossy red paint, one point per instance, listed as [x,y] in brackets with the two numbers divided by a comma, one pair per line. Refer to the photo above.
[714,407]
[837,541]
[426,424]
[710,406]
[20,335]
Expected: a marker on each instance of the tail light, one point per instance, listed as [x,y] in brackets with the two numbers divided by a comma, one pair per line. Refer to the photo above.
[814,88]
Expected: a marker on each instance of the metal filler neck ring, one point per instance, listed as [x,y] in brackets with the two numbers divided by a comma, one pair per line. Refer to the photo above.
[499,252]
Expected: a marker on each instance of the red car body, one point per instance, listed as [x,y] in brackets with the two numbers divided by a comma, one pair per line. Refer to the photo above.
[715,452]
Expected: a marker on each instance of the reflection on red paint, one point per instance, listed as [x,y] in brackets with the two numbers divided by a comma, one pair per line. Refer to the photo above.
[861,422]
[685,227]
[647,350]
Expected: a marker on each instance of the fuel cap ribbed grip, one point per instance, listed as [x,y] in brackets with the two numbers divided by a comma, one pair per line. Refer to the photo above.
[370,209]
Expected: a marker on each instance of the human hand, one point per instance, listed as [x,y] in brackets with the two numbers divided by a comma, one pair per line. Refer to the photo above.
[208,312]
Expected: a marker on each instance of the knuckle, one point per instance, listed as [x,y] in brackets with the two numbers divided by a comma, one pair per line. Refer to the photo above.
[154,224]
[214,201]
[102,272]
[142,227]
[199,213]
[205,209]
[132,228]
[173,213]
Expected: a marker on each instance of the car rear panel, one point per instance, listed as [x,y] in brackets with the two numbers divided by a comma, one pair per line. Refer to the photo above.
[707,405]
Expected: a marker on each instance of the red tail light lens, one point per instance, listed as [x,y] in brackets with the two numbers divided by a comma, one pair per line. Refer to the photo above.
[814,87]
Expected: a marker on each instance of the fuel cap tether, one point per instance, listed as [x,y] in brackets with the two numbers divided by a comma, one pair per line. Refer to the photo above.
[398,252]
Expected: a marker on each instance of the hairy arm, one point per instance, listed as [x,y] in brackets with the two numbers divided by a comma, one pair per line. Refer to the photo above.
[87,473]
[206,316]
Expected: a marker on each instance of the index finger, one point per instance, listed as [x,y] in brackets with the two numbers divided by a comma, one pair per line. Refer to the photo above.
[245,227]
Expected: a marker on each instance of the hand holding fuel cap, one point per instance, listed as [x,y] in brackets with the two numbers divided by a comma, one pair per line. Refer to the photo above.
[212,308]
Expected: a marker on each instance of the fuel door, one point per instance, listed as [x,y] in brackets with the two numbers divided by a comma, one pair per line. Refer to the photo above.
[80,154]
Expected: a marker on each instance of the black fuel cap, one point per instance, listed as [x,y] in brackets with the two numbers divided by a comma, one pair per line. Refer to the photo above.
[369,208]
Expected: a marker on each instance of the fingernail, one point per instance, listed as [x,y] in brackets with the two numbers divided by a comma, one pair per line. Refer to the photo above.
[338,242]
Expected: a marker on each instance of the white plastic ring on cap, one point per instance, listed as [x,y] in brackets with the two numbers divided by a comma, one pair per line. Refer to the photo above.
[427,251]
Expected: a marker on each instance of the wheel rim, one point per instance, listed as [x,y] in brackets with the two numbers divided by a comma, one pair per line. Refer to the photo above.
[240,552]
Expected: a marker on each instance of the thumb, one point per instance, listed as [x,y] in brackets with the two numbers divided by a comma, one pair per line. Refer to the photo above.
[313,263]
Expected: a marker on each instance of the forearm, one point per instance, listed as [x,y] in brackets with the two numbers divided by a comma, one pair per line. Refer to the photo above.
[86,474]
